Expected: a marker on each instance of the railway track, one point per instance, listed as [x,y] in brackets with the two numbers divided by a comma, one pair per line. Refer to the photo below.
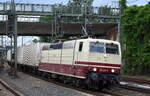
[66,86]
[137,82]
[85,90]
[127,87]
[132,79]
[139,89]
[9,88]
[112,93]
[94,92]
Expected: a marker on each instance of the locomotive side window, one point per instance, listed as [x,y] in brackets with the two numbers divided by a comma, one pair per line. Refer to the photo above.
[56,46]
[80,46]
[112,49]
[69,45]
[97,47]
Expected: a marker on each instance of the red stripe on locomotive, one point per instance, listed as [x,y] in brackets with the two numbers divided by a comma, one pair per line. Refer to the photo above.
[95,63]
[75,70]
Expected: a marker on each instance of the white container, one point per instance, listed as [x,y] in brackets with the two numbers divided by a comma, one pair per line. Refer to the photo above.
[30,54]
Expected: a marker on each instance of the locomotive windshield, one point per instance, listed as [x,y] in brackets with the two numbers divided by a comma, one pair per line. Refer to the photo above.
[112,48]
[97,47]
[100,47]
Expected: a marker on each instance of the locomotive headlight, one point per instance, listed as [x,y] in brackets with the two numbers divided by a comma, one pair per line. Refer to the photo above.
[112,70]
[94,69]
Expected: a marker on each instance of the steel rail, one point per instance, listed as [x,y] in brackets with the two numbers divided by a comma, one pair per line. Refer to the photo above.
[112,93]
[133,79]
[129,87]
[13,91]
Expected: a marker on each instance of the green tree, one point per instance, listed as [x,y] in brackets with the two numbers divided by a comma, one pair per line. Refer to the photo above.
[123,4]
[136,32]
[46,19]
[78,6]
[45,39]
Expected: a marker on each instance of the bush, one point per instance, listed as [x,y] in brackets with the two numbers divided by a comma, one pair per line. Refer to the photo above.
[136,35]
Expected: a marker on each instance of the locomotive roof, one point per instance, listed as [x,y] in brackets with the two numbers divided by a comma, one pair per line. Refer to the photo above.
[94,40]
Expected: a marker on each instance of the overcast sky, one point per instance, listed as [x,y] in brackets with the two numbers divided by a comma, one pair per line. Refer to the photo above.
[95,3]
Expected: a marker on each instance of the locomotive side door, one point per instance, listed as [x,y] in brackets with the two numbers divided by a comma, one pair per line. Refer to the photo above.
[81,55]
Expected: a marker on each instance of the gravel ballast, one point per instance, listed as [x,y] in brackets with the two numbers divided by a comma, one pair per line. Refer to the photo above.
[31,86]
[4,91]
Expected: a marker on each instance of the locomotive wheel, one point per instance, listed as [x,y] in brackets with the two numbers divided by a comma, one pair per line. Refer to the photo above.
[65,81]
[79,83]
[40,73]
[49,76]
[90,84]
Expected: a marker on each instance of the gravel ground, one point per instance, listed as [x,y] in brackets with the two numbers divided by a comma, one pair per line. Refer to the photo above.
[31,86]
[129,92]
[4,91]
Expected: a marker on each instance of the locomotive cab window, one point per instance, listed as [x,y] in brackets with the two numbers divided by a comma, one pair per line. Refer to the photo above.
[112,48]
[80,46]
[97,47]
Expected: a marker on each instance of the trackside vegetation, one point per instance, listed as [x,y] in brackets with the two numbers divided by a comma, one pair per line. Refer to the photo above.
[135,23]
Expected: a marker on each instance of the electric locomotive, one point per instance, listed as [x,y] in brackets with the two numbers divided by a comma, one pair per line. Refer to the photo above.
[95,63]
